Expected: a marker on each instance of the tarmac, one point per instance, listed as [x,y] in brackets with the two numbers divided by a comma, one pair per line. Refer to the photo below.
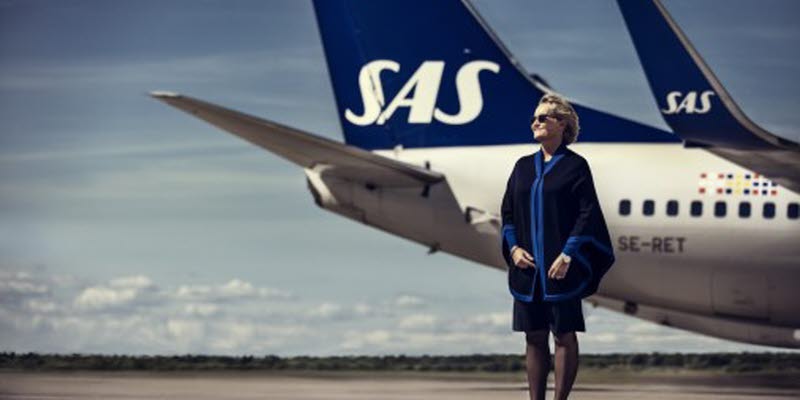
[248,385]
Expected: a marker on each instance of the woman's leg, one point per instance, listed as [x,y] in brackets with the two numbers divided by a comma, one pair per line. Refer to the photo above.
[537,362]
[566,360]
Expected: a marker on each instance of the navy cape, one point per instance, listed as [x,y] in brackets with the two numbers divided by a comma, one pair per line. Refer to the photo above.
[550,208]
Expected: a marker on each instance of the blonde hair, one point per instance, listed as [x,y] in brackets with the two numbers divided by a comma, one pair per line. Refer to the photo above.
[564,109]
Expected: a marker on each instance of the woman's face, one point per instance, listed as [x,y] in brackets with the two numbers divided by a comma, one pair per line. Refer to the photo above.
[551,129]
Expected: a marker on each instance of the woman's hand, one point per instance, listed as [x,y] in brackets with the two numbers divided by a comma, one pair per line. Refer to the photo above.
[522,258]
[559,268]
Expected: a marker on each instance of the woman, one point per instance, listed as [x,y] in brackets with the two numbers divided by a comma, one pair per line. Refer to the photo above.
[555,243]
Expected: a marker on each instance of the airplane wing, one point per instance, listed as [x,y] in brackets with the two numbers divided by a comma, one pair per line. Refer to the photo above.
[694,103]
[305,149]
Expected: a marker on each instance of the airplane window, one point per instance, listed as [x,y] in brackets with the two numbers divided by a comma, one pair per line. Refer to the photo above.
[672,207]
[625,207]
[648,207]
[697,208]
[769,210]
[744,209]
[720,209]
[793,210]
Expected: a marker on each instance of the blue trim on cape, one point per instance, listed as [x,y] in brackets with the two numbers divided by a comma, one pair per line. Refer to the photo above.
[537,219]
[510,234]
[575,242]
[571,248]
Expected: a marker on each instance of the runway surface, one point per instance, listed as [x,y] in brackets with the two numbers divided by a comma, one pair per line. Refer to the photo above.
[231,385]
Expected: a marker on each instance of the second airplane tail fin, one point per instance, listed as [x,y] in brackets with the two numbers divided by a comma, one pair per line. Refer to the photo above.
[692,100]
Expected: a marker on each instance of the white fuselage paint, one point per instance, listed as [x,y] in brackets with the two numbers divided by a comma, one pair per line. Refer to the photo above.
[736,270]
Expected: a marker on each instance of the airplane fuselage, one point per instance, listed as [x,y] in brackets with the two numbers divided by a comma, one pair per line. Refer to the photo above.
[694,259]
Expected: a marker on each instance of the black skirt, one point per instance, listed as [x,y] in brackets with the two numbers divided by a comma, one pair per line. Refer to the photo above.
[560,317]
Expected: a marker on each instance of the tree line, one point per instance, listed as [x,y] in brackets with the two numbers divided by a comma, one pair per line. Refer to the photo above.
[727,362]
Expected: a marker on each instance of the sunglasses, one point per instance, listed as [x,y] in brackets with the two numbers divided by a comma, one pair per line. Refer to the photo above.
[543,117]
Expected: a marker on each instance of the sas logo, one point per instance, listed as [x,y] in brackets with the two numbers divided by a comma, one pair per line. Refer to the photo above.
[689,103]
[424,85]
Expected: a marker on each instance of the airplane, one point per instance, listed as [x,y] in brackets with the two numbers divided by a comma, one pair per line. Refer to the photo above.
[435,112]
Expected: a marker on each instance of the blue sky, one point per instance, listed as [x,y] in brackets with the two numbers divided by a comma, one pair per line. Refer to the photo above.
[130,227]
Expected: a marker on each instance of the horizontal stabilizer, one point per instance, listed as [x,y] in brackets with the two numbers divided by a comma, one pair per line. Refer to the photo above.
[305,149]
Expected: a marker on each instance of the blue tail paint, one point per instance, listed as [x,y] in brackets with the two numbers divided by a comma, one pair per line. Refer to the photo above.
[422,73]
[692,100]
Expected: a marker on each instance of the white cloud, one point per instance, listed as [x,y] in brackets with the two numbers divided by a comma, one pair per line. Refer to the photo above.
[17,287]
[237,317]
[499,319]
[326,310]
[356,340]
[41,306]
[362,309]
[200,309]
[22,286]
[233,289]
[381,341]
[193,291]
[335,311]
[236,288]
[199,300]
[409,301]
[100,297]
[417,321]
[185,330]
[136,282]
[236,335]
[120,292]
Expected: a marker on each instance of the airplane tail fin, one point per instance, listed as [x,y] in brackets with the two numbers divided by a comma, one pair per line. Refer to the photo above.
[692,100]
[421,73]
